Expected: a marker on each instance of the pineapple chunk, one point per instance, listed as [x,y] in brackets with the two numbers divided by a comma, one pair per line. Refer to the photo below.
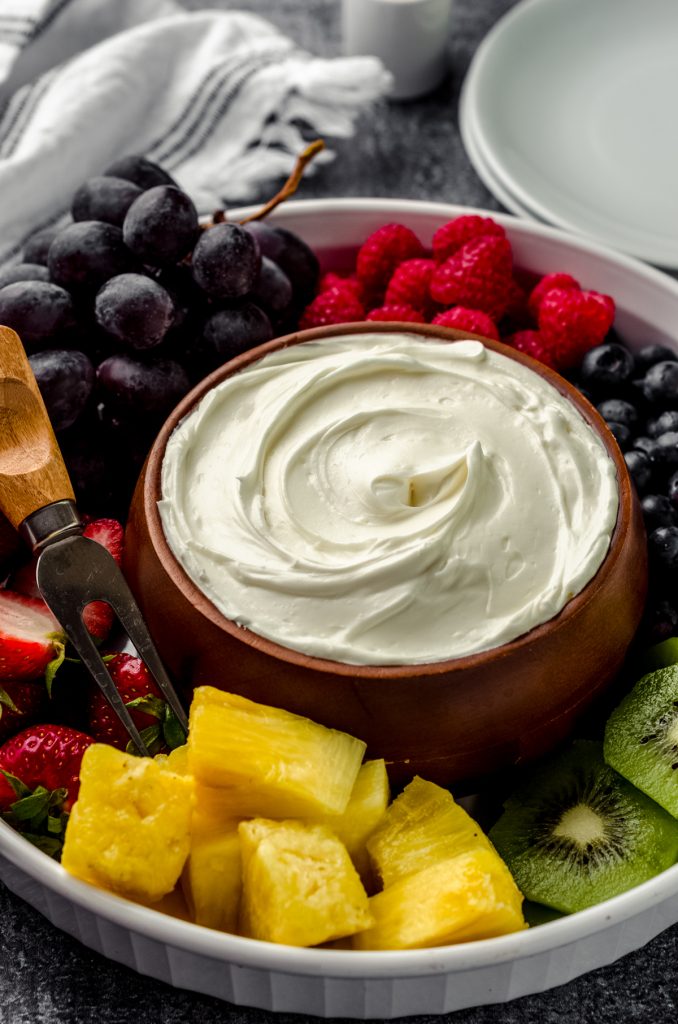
[130,828]
[212,876]
[363,813]
[470,896]
[299,885]
[423,825]
[277,764]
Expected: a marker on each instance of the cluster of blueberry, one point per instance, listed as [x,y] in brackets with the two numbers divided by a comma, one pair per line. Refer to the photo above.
[637,394]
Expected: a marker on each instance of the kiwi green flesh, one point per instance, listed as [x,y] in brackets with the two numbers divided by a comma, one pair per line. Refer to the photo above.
[641,737]
[577,833]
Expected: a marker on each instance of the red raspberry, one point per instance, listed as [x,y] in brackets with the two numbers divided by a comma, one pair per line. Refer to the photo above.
[332,280]
[471,320]
[451,236]
[382,252]
[533,344]
[336,306]
[478,276]
[410,285]
[572,322]
[401,312]
[545,285]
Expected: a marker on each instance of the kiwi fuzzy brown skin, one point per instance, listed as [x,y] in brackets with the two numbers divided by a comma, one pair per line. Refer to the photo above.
[576,833]
[641,737]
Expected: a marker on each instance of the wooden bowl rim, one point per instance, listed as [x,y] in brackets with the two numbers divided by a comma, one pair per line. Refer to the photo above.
[451,666]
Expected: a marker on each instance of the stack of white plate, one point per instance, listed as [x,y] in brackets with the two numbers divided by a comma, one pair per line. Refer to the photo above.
[569,115]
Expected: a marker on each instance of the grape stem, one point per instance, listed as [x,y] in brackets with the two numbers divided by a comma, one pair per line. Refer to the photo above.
[292,183]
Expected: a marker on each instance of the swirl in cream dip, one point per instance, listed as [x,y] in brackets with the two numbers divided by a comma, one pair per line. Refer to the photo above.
[383,499]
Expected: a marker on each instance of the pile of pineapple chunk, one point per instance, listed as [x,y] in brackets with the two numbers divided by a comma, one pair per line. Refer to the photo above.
[274,829]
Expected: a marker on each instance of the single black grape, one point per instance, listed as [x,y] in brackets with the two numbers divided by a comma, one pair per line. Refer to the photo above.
[104,198]
[37,246]
[607,365]
[640,468]
[134,309]
[141,171]
[292,255]
[230,332]
[616,410]
[154,385]
[658,511]
[85,254]
[65,379]
[651,354]
[23,272]
[272,290]
[647,445]
[663,545]
[38,311]
[161,226]
[660,384]
[226,262]
[620,432]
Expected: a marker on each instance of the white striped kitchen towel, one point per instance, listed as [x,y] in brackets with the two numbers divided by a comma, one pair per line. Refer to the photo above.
[218,98]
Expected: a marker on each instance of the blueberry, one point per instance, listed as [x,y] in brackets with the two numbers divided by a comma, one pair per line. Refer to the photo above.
[640,468]
[660,384]
[658,511]
[620,432]
[666,452]
[651,354]
[661,621]
[647,445]
[672,490]
[663,544]
[663,423]
[616,410]
[607,365]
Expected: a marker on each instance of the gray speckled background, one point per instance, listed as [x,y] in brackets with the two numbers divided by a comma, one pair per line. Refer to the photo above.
[408,150]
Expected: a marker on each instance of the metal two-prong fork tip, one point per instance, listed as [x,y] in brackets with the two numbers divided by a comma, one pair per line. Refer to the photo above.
[73,571]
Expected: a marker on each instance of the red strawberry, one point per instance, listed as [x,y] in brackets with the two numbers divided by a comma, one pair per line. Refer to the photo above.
[21,701]
[403,313]
[471,320]
[533,344]
[139,691]
[98,616]
[545,285]
[478,276]
[572,322]
[30,636]
[382,252]
[451,236]
[410,284]
[337,306]
[40,780]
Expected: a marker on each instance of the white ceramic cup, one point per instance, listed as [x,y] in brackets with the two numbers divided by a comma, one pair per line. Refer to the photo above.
[409,36]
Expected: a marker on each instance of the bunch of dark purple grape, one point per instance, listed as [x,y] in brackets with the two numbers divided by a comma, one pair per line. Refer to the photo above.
[637,394]
[123,310]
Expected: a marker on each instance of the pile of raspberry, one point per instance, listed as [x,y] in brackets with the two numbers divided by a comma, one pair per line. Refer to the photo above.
[467,281]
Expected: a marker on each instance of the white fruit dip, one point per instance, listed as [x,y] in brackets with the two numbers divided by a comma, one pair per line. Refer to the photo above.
[383,499]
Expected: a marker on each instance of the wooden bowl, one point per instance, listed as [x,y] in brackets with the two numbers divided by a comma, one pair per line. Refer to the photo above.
[449,721]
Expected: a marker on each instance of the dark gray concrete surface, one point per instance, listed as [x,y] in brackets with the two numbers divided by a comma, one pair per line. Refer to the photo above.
[409,150]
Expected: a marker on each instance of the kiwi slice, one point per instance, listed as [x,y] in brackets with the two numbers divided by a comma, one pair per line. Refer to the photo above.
[641,737]
[577,833]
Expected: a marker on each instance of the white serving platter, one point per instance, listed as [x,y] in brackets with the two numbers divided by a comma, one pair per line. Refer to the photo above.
[571,105]
[339,983]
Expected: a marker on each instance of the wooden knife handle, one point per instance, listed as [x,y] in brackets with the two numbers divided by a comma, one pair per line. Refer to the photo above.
[32,470]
